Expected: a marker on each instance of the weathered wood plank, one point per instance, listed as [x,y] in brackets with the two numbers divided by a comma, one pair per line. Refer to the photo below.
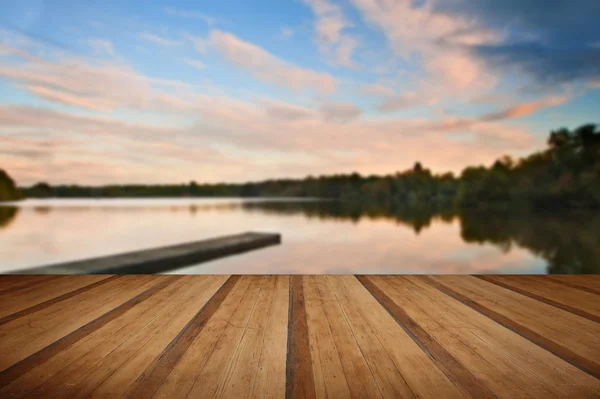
[296,336]
[464,380]
[158,260]
[572,300]
[34,299]
[563,378]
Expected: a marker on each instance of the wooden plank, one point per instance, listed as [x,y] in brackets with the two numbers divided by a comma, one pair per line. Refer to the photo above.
[270,381]
[399,366]
[27,335]
[183,376]
[153,377]
[536,319]
[23,362]
[469,385]
[10,283]
[240,378]
[589,281]
[564,379]
[112,369]
[300,377]
[26,302]
[211,380]
[158,260]
[579,284]
[80,355]
[329,376]
[572,300]
[360,379]
[455,331]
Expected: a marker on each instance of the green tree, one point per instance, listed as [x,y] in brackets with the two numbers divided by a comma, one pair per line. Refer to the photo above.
[8,189]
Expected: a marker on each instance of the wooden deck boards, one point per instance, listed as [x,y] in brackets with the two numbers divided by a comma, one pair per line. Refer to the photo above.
[269,336]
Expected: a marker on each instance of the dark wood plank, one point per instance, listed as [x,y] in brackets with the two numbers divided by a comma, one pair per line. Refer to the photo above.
[53,301]
[469,385]
[569,356]
[300,379]
[158,260]
[32,361]
[505,283]
[153,377]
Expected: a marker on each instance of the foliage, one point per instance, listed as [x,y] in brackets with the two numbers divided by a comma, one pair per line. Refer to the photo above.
[566,174]
[8,190]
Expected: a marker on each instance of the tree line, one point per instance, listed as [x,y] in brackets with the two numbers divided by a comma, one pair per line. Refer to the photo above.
[565,174]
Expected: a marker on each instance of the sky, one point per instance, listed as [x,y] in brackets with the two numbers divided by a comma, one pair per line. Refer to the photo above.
[117,92]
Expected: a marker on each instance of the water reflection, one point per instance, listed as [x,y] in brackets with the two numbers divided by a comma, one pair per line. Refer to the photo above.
[7,214]
[318,236]
[567,240]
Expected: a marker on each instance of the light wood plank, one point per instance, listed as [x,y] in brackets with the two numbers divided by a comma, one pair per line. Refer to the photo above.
[546,320]
[330,379]
[27,297]
[210,383]
[450,330]
[359,377]
[271,372]
[401,368]
[183,376]
[117,372]
[118,330]
[584,304]
[27,335]
[560,377]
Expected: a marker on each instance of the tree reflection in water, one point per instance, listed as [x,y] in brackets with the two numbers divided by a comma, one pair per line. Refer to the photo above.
[567,240]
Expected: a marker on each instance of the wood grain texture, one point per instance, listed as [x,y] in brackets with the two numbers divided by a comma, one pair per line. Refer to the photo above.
[589,366]
[572,300]
[25,364]
[300,377]
[267,336]
[464,380]
[587,285]
[150,381]
[26,302]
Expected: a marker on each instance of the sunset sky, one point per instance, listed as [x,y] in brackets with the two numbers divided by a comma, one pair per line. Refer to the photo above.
[230,90]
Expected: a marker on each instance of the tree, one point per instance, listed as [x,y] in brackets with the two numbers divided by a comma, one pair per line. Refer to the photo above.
[8,189]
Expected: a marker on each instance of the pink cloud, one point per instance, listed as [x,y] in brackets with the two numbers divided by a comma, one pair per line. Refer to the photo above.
[268,68]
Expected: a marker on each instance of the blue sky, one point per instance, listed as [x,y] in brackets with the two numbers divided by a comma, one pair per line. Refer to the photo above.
[131,91]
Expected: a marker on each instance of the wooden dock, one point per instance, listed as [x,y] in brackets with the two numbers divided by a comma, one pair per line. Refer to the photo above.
[339,336]
[163,259]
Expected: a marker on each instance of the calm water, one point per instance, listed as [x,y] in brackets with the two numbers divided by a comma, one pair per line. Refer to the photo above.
[318,237]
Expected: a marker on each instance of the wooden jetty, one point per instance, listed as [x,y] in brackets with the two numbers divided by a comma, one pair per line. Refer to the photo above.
[158,260]
[279,336]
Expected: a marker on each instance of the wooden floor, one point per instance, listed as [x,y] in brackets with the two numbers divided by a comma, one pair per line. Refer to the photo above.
[159,336]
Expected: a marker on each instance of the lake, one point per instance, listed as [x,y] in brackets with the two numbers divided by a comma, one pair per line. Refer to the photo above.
[317,236]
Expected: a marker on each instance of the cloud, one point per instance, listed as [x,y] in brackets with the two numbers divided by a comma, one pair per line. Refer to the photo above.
[408,99]
[528,108]
[537,41]
[288,112]
[329,25]
[104,86]
[100,46]
[268,68]
[340,112]
[192,15]
[377,89]
[160,40]
[419,34]
[197,64]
